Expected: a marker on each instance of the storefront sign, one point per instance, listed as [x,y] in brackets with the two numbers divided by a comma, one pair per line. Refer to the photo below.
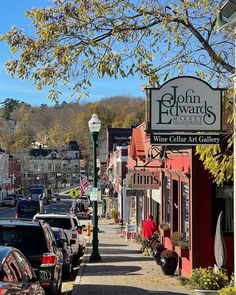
[185,103]
[143,180]
[185,139]
[131,231]
[133,192]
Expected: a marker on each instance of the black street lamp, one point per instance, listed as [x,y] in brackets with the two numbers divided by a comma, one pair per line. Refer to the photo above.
[94,128]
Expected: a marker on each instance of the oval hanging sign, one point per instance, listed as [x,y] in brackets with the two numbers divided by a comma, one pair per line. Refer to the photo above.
[185,104]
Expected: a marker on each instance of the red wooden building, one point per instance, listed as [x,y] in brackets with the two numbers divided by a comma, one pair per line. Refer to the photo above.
[187,200]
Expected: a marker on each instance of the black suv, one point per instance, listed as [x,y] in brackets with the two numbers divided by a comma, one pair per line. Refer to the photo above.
[36,241]
[27,208]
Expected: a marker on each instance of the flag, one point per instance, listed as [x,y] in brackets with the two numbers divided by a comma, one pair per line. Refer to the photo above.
[84,184]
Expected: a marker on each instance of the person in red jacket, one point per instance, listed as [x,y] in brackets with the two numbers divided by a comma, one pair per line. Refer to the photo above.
[149,227]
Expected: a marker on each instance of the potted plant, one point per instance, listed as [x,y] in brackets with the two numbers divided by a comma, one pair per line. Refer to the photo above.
[168,261]
[157,248]
[180,243]
[115,215]
[165,229]
[208,280]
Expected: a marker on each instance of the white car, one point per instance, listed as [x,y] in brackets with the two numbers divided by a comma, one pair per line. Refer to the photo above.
[85,200]
[71,225]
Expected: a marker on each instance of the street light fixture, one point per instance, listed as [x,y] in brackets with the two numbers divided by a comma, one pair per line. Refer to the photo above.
[94,128]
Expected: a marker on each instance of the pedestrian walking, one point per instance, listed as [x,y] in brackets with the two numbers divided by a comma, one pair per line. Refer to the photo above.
[149,227]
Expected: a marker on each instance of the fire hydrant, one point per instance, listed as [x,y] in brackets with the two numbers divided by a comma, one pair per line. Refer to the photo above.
[88,229]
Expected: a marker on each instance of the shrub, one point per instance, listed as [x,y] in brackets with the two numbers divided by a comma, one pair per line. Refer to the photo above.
[178,239]
[230,289]
[165,226]
[169,253]
[115,214]
[211,278]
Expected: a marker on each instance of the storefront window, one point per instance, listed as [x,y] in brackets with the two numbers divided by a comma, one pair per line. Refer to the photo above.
[224,202]
[185,211]
[167,199]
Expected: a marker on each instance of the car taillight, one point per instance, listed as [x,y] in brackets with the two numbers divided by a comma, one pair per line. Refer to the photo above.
[3,291]
[48,259]
[79,231]
[17,216]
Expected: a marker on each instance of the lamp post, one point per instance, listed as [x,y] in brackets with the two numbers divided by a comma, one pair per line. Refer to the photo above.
[94,128]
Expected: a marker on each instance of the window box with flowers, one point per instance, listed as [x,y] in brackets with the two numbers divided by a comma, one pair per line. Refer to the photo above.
[180,243]
[165,229]
[208,280]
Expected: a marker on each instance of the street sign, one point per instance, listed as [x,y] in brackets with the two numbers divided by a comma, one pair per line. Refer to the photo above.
[93,194]
[6,180]
[73,193]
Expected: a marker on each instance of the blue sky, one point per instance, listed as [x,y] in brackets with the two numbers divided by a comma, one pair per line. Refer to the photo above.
[12,14]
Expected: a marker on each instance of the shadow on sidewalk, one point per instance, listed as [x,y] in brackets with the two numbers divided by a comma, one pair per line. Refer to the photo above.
[112,245]
[124,290]
[112,259]
[107,270]
[119,251]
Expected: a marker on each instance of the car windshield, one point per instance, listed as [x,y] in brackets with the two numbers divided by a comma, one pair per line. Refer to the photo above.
[36,190]
[28,206]
[57,222]
[30,240]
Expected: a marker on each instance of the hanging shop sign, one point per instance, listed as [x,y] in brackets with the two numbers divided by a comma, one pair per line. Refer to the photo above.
[185,139]
[185,104]
[137,180]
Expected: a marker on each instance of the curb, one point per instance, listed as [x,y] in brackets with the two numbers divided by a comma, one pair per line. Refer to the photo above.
[76,286]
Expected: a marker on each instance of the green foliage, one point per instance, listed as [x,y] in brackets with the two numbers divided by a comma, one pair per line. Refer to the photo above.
[169,253]
[178,239]
[78,39]
[208,278]
[58,125]
[165,226]
[230,289]
[115,214]
[9,105]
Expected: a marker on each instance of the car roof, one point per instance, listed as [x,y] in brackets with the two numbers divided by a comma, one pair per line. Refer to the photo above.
[19,222]
[55,215]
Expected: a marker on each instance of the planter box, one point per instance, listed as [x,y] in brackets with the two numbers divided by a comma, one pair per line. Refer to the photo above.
[182,252]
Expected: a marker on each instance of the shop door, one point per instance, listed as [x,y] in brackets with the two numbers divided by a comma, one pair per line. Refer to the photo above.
[175,205]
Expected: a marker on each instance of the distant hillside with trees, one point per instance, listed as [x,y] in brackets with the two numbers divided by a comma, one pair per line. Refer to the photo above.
[21,124]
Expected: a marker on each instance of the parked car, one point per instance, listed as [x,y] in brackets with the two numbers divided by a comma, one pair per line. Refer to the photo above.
[71,225]
[85,200]
[27,208]
[16,274]
[64,244]
[36,241]
[9,201]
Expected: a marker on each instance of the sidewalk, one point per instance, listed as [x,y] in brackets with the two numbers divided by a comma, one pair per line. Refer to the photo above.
[123,270]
